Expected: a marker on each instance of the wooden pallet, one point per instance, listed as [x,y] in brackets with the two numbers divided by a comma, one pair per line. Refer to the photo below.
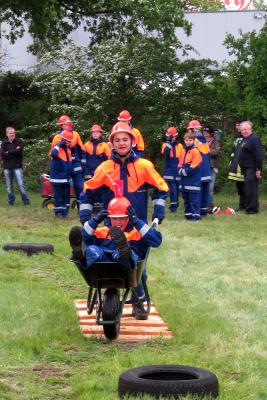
[131,330]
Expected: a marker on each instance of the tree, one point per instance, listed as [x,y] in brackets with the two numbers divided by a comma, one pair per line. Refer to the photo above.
[51,21]
[246,82]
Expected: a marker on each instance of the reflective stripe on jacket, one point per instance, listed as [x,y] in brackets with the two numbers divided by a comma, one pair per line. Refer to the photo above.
[204,149]
[60,165]
[190,162]
[139,237]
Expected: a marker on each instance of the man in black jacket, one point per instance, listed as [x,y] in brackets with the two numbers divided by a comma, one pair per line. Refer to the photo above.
[12,156]
[251,161]
[235,173]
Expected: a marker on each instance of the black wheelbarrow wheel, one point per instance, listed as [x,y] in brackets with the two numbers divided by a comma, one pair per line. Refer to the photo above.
[111,306]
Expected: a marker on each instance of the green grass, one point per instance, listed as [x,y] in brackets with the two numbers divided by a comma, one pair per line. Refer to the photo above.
[208,280]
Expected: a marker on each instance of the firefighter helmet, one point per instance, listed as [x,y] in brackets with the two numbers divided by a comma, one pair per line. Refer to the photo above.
[64,119]
[124,116]
[171,131]
[121,127]
[118,207]
[67,135]
[96,128]
[194,124]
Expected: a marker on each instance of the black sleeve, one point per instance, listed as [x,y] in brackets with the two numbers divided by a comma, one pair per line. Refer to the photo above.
[259,154]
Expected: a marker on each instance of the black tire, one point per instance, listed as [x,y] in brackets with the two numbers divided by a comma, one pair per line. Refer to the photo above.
[111,304]
[168,381]
[49,204]
[29,248]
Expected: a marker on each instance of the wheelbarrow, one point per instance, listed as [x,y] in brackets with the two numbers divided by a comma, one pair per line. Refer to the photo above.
[48,194]
[110,285]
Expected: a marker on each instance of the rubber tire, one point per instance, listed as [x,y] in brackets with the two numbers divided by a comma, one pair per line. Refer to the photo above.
[168,381]
[49,204]
[111,303]
[29,248]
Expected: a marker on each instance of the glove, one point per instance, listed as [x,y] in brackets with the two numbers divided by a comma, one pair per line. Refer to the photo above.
[62,143]
[100,216]
[169,138]
[132,214]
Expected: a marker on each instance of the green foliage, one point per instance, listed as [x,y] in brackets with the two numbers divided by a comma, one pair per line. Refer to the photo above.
[36,161]
[22,105]
[213,299]
[51,22]
[246,78]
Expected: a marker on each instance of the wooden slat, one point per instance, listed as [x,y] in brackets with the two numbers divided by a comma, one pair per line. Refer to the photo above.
[131,330]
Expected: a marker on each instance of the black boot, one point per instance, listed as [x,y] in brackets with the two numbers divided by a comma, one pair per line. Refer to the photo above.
[119,238]
[76,242]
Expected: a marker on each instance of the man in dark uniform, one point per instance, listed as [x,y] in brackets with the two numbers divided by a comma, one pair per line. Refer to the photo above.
[251,161]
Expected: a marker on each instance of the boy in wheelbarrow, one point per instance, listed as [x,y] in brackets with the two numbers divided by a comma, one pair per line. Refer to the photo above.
[125,241]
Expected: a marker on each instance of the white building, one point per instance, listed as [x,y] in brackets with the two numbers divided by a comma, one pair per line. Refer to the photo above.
[209,30]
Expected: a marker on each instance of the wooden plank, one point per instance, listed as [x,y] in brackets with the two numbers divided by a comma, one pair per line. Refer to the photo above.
[131,330]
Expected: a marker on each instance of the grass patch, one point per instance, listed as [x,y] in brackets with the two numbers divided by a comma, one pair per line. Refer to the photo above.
[208,280]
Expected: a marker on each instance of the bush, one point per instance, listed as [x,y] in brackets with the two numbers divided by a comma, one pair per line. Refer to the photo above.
[36,161]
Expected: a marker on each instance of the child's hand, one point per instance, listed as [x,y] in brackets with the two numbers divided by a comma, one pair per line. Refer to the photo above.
[132,214]
[100,216]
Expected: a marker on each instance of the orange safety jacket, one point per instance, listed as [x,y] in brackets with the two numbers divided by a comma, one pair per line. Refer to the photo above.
[60,165]
[190,169]
[137,175]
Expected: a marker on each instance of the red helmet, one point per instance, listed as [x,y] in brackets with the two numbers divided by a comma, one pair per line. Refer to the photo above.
[67,135]
[97,128]
[124,116]
[121,127]
[64,119]
[194,124]
[118,206]
[171,131]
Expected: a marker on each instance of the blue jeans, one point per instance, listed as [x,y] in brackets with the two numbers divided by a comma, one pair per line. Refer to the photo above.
[9,177]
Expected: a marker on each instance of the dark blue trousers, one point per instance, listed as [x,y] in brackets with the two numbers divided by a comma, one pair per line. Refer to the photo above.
[192,205]
[62,199]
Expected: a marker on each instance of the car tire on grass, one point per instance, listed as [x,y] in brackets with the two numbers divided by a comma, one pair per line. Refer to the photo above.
[174,381]
[30,248]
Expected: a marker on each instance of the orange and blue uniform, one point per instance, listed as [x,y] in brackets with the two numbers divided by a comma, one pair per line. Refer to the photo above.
[139,146]
[60,175]
[204,149]
[137,175]
[97,151]
[172,151]
[100,246]
[190,186]
[78,162]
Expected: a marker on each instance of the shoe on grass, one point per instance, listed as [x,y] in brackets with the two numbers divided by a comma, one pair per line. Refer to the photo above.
[76,242]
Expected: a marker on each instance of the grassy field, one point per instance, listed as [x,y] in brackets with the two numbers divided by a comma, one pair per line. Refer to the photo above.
[208,280]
